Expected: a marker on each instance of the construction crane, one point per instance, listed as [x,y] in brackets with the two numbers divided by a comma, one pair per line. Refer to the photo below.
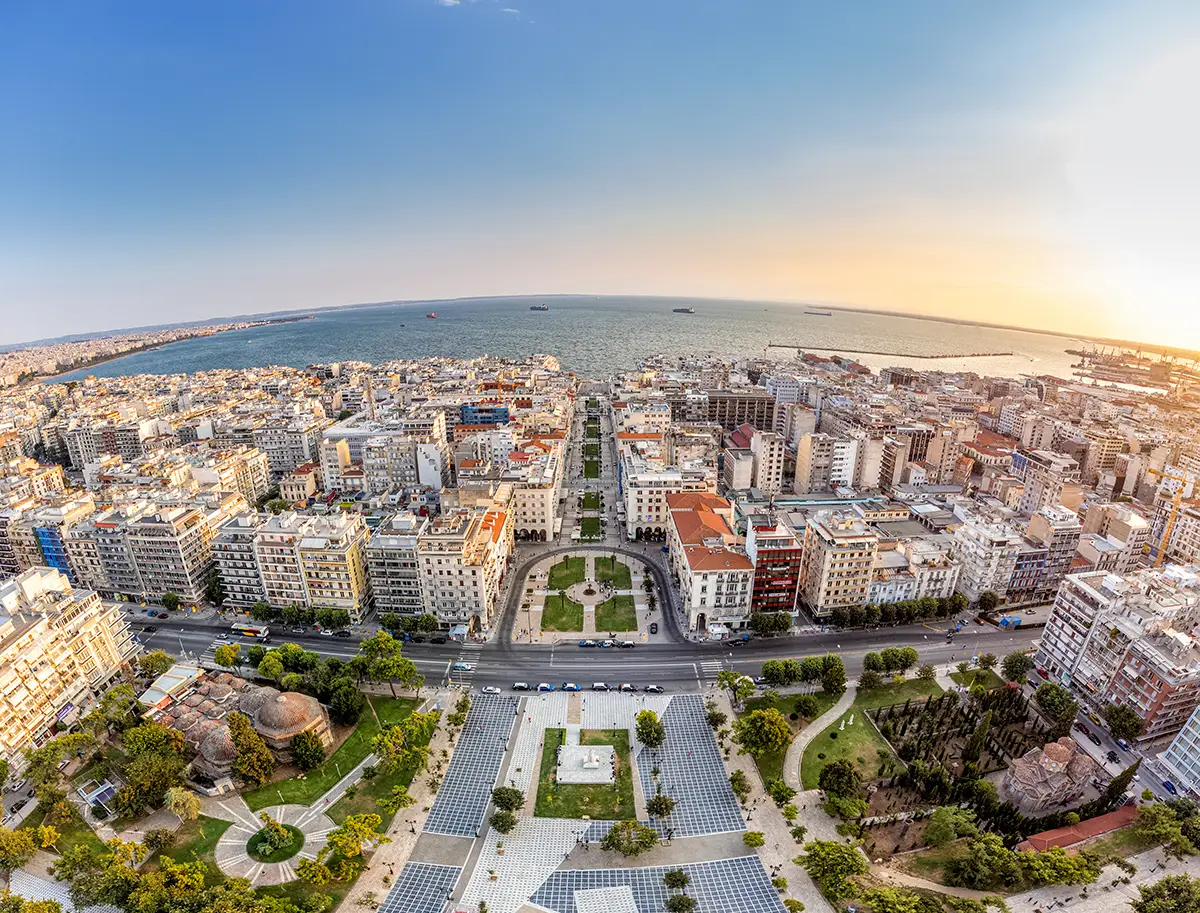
[1176,500]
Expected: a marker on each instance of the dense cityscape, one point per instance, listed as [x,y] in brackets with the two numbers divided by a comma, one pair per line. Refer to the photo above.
[480,634]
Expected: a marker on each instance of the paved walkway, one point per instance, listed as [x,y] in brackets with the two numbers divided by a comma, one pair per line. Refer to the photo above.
[234,860]
[791,761]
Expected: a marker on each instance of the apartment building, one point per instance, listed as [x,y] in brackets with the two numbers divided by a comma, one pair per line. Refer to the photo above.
[988,553]
[241,469]
[40,535]
[236,561]
[747,405]
[333,556]
[172,548]
[60,649]
[1181,760]
[464,555]
[394,565]
[1124,529]
[766,454]
[646,479]
[1052,539]
[837,565]
[291,445]
[775,546]
[714,573]
[301,483]
[277,551]
[824,462]
[1051,479]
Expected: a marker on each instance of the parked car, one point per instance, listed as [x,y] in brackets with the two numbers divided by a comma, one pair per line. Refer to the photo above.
[297,630]
[600,686]
[1083,728]
[608,643]
[1094,739]
[571,686]
[654,689]
[341,633]
[1123,745]
[520,686]
[18,786]
[1113,758]
[545,686]
[1043,673]
[460,666]
[628,688]
[654,627]
[491,689]
[162,615]
[20,805]
[587,643]
[438,639]
[1170,787]
[325,632]
[627,645]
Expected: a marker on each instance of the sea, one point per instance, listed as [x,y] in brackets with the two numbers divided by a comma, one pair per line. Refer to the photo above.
[596,336]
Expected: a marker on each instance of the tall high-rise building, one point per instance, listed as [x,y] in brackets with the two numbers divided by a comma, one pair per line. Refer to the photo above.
[836,568]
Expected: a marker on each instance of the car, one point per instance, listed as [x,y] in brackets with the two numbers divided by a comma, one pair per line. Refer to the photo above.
[654,689]
[418,639]
[520,686]
[1112,757]
[571,686]
[654,627]
[628,688]
[221,640]
[339,634]
[1123,745]
[438,639]
[491,689]
[149,629]
[325,632]
[600,686]
[1043,673]
[162,615]
[1170,787]
[460,666]
[545,686]
[20,805]
[150,612]
[608,643]
[1083,728]
[627,645]
[1094,739]
[18,786]
[587,643]
[297,630]
[1095,719]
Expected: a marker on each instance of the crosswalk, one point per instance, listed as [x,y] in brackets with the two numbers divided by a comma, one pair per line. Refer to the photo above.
[709,668]
[469,654]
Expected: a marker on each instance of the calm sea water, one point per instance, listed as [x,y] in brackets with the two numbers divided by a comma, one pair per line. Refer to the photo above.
[595,336]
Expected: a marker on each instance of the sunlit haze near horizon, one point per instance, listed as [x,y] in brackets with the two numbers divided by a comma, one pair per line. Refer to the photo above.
[1028,164]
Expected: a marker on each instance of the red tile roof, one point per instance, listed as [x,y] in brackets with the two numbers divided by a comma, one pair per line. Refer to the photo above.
[1084,830]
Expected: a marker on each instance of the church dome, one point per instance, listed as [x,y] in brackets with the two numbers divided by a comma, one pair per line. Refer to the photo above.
[287,714]
[218,746]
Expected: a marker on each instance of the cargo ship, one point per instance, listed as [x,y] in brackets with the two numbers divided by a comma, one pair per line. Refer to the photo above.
[683,310]
[820,313]
[539,307]
[432,315]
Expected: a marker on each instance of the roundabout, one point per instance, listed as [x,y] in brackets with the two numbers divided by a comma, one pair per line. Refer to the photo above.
[260,848]
[243,851]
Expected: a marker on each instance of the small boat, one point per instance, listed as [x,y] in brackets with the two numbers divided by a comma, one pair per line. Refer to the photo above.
[683,310]
[432,315]
[820,313]
[539,307]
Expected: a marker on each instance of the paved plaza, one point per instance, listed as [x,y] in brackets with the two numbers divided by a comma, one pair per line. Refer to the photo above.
[234,860]
[421,888]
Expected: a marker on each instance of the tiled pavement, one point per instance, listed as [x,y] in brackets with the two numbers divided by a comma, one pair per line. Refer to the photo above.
[235,862]
[33,887]
[421,888]
[613,710]
[530,854]
[540,712]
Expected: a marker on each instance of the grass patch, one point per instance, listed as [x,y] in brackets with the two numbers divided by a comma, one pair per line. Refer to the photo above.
[317,782]
[616,614]
[610,570]
[591,469]
[589,528]
[298,892]
[592,429]
[930,863]
[859,743]
[770,765]
[368,792]
[591,499]
[1124,842]
[561,614]
[72,834]
[566,573]
[603,802]
[591,452]
[197,841]
[888,694]
[985,677]
[258,848]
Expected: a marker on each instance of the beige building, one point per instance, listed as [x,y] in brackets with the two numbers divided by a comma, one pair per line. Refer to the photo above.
[173,552]
[710,564]
[837,568]
[333,556]
[463,557]
[60,649]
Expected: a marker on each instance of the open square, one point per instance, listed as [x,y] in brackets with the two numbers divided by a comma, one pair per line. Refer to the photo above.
[586,764]
[591,469]
[607,801]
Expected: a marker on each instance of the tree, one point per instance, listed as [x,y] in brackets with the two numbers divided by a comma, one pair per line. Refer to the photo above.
[660,805]
[762,731]
[228,655]
[407,743]
[754,839]
[629,838]
[503,821]
[356,830]
[1016,666]
[830,864]
[253,761]
[1124,721]
[346,702]
[791,905]
[840,778]
[153,738]
[869,679]
[274,833]
[397,799]
[811,668]
[650,729]
[1115,791]
[170,601]
[680,903]
[307,750]
[739,784]
[386,662]
[739,686]
[988,602]
[1172,894]
[1157,823]
[508,798]
[872,663]
[313,871]
[116,704]
[833,674]
[987,863]
[715,716]
[1056,866]
[271,667]
[987,661]
[47,836]
[16,848]
[182,803]
[974,745]
[780,792]
[255,654]
[895,900]
[807,707]
[947,824]
[154,663]
[926,673]
[1058,705]
[676,879]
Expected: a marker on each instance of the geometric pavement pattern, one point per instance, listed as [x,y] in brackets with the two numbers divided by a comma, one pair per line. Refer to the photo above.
[235,862]
[466,790]
[421,888]
[692,772]
[737,885]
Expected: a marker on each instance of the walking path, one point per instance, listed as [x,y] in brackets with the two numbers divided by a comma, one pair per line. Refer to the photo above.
[791,762]
[232,850]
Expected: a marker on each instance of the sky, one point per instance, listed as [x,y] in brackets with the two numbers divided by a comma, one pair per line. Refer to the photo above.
[1024,163]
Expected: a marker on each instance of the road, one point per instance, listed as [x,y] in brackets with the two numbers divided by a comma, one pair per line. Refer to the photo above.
[679,666]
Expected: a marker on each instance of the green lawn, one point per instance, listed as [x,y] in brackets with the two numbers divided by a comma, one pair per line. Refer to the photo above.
[592,452]
[589,528]
[314,784]
[859,743]
[561,614]
[986,677]
[600,802]
[609,570]
[566,573]
[76,833]
[616,614]
[591,499]
[259,849]
[196,841]
[593,431]
[889,694]
[770,765]
[593,403]
[591,469]
[368,792]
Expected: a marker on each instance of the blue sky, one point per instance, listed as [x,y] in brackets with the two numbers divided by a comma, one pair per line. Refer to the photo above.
[173,161]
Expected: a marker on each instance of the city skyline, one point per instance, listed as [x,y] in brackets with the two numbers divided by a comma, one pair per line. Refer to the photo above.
[1021,167]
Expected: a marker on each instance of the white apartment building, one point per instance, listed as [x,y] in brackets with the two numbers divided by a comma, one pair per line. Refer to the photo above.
[838,563]
[60,649]
[236,562]
[824,463]
[714,573]
[646,480]
[242,469]
[172,549]
[291,445]
[394,565]
[1050,478]
[1181,760]
[988,554]
[1123,526]
[464,555]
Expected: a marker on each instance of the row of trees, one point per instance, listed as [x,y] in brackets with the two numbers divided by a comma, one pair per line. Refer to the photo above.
[905,612]
[298,615]
[341,859]
[829,670]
